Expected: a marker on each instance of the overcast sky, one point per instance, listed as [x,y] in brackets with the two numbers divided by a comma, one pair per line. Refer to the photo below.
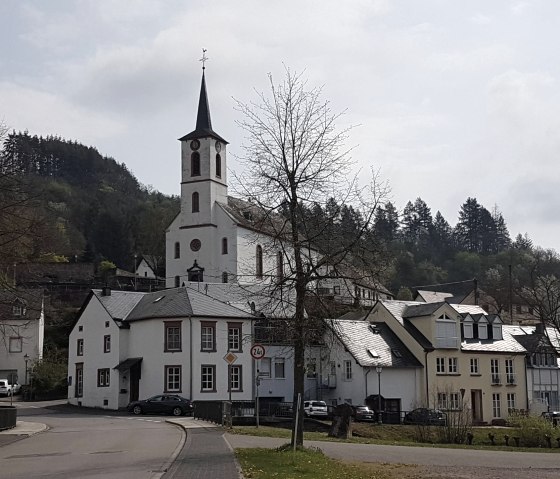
[452,98]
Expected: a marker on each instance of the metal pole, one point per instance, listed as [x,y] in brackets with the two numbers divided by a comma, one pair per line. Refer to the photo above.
[257,381]
[380,416]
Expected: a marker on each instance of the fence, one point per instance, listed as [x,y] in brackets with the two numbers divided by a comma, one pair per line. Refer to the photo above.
[8,417]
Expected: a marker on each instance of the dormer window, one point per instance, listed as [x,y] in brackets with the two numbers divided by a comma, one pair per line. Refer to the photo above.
[18,310]
[482,328]
[468,329]
[497,328]
[446,332]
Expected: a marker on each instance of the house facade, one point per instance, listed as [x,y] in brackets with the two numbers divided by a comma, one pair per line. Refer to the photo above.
[22,329]
[469,359]
[128,345]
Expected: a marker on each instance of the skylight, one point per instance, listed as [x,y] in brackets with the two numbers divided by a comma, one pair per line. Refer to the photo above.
[159,299]
[373,353]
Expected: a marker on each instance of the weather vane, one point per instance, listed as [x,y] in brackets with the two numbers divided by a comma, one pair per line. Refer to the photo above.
[204,58]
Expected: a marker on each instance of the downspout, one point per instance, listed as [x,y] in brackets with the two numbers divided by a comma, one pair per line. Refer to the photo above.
[190,359]
[427,377]
[527,380]
[365,377]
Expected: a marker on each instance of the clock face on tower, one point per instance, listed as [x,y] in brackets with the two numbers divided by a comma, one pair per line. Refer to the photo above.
[218,146]
[195,145]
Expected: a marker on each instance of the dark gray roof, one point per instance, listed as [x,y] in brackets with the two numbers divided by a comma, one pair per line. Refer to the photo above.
[369,348]
[418,336]
[203,121]
[424,309]
[120,303]
[182,302]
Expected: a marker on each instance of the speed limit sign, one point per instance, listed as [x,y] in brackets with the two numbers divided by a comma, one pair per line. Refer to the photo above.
[257,351]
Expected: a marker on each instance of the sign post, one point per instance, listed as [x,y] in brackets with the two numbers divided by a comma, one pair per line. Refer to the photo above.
[257,352]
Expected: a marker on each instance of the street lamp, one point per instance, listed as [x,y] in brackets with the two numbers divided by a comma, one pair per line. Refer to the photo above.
[379,369]
[26,359]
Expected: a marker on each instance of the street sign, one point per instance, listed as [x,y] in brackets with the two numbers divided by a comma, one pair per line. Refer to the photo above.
[230,358]
[257,351]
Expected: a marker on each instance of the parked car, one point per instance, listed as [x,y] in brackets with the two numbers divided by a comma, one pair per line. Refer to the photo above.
[364,413]
[315,408]
[7,389]
[425,416]
[163,404]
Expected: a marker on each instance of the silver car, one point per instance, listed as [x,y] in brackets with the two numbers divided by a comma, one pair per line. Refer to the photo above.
[315,408]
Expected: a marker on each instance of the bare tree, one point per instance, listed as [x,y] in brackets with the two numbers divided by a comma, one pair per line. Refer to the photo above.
[295,160]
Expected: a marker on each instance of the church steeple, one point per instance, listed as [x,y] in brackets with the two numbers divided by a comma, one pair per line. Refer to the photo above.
[203,122]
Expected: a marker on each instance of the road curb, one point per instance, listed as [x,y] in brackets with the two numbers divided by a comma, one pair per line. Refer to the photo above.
[239,469]
[174,454]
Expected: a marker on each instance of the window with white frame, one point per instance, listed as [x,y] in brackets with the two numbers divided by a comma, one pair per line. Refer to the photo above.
[235,381]
[103,377]
[442,400]
[264,368]
[80,347]
[348,370]
[172,379]
[208,378]
[208,336]
[234,337]
[482,328]
[468,332]
[511,401]
[16,344]
[79,387]
[454,401]
[497,329]
[172,331]
[453,366]
[496,405]
[475,367]
[279,368]
[440,365]
[495,371]
[107,343]
[510,373]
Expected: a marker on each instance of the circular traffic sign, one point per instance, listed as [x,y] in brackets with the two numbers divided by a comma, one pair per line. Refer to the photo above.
[257,351]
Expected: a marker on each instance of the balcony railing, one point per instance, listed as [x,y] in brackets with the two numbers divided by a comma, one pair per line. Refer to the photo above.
[496,379]
[511,379]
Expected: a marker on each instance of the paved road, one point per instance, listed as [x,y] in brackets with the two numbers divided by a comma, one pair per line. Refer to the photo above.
[84,445]
[549,463]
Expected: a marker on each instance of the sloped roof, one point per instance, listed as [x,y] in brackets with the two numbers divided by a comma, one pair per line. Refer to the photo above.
[459,289]
[398,308]
[468,308]
[358,337]
[30,299]
[422,309]
[119,304]
[182,302]
[433,296]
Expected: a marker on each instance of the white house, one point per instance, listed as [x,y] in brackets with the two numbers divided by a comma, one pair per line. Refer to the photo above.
[22,329]
[129,345]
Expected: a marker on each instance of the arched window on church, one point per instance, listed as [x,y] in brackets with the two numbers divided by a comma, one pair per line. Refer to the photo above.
[259,262]
[224,277]
[177,250]
[195,203]
[195,163]
[279,266]
[224,246]
[218,166]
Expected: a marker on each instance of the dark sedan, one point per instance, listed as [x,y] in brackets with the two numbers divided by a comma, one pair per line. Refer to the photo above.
[426,417]
[162,404]
[364,413]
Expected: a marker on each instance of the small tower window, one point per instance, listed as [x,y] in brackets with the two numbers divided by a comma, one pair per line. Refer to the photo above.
[259,262]
[224,246]
[224,277]
[177,250]
[195,203]
[218,166]
[195,163]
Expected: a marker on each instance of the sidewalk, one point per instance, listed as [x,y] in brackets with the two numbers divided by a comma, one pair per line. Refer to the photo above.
[206,454]
[22,429]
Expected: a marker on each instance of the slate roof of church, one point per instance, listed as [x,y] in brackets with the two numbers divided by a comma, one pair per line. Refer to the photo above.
[358,337]
[203,121]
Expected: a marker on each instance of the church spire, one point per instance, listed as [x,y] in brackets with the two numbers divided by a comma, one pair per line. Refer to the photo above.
[203,121]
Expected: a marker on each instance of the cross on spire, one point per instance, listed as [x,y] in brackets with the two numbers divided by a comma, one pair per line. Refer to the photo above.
[204,58]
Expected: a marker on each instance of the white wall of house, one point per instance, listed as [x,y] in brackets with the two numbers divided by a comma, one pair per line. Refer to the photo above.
[144,270]
[274,385]
[20,336]
[96,323]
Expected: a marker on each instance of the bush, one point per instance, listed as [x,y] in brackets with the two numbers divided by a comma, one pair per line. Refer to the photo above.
[531,430]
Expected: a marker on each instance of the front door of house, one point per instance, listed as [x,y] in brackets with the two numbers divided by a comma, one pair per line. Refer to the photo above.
[476,404]
[134,382]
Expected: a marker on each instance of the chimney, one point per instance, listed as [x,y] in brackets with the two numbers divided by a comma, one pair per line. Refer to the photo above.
[539,328]
[106,291]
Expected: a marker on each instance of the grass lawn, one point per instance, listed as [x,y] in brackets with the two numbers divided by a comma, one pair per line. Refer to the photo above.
[365,433]
[309,464]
